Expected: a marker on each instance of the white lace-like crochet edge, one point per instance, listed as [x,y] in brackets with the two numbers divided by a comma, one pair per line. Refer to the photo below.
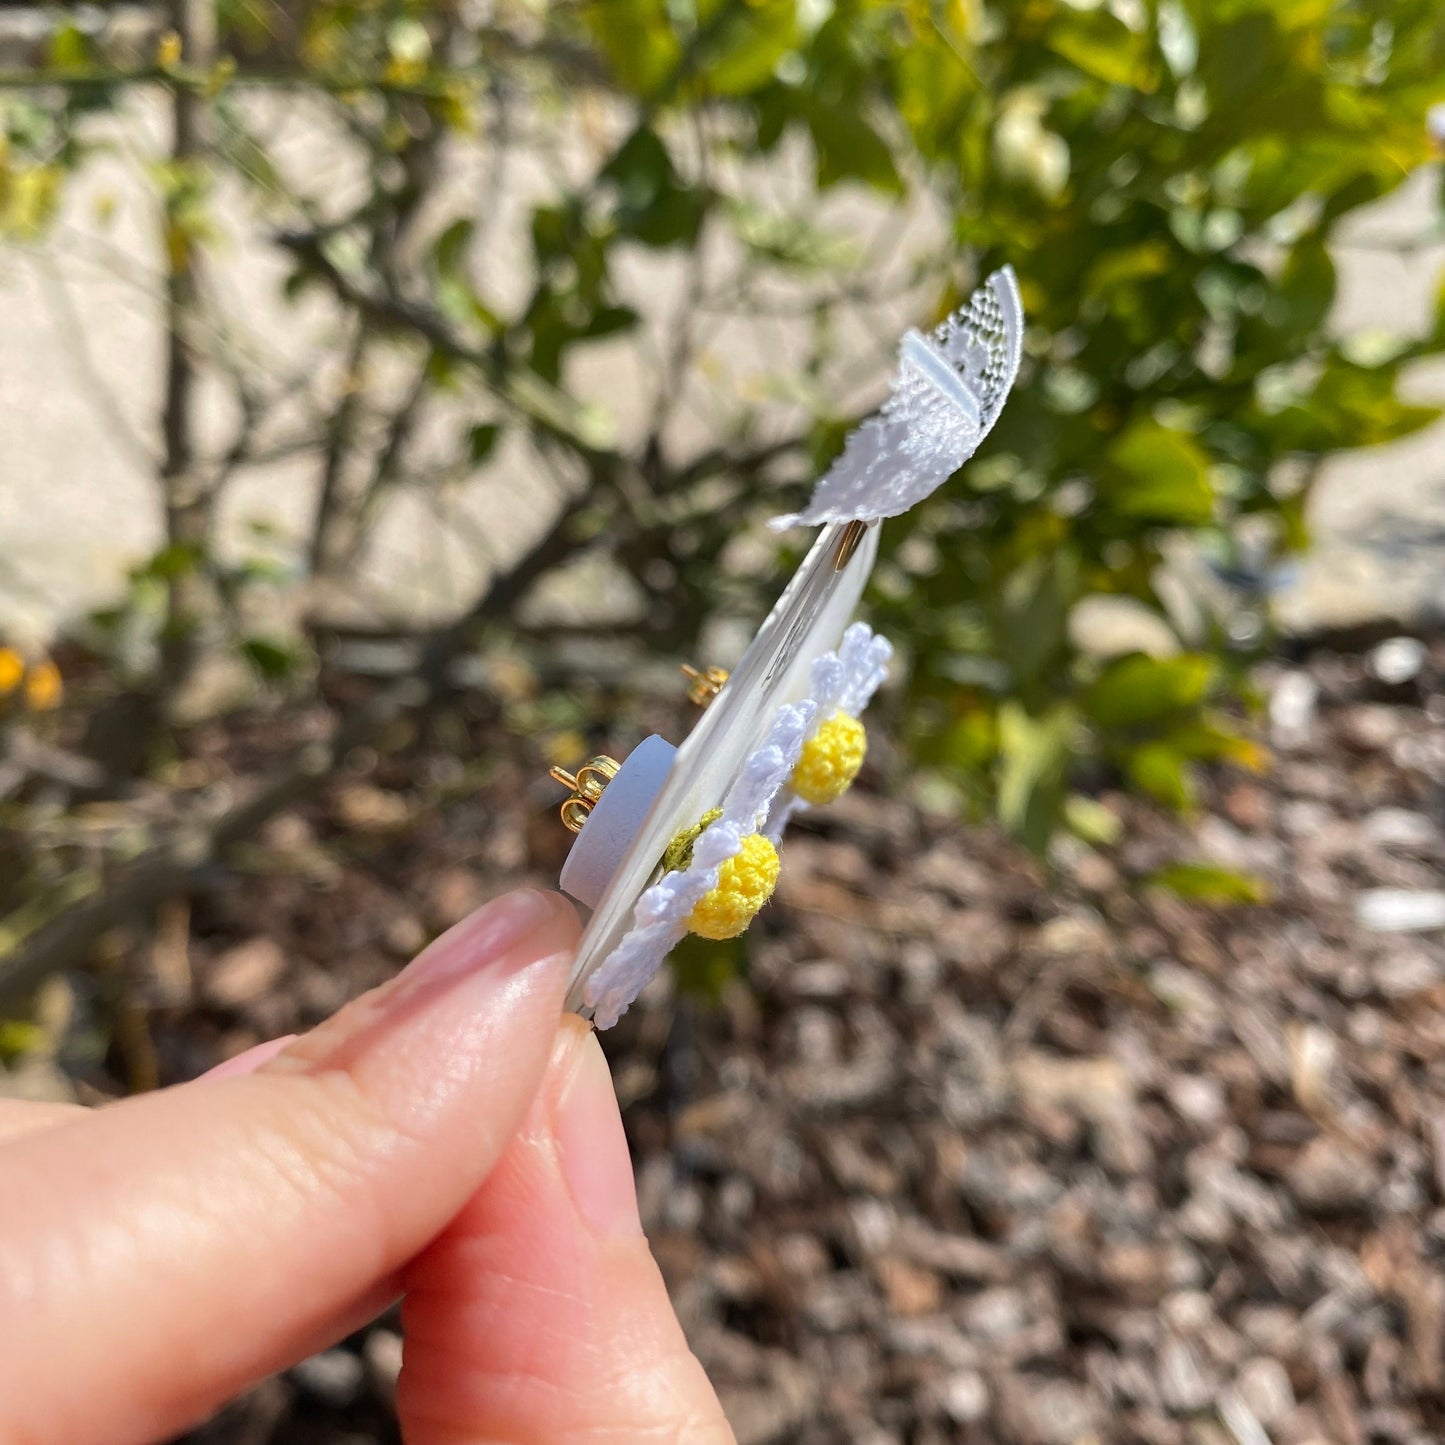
[844,683]
[844,680]
[947,394]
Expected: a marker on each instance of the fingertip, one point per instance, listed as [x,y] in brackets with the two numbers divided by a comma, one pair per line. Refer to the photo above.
[249,1060]
[592,1146]
[540,1315]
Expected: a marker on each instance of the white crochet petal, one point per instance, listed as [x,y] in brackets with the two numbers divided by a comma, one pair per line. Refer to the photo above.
[947,394]
[718,842]
[845,679]
[827,678]
[787,807]
[866,673]
[852,675]
[659,918]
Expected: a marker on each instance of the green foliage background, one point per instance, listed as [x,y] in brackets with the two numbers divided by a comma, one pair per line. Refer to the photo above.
[1164,177]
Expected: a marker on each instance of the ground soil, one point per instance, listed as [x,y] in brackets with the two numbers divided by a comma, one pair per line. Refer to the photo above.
[979,1149]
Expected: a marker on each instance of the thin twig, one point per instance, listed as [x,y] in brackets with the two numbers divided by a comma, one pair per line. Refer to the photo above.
[66,940]
[550,411]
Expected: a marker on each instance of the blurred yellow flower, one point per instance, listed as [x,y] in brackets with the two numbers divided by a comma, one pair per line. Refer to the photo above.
[564,748]
[42,686]
[37,685]
[168,51]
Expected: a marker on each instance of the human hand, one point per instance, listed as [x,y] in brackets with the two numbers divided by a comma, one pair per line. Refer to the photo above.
[442,1138]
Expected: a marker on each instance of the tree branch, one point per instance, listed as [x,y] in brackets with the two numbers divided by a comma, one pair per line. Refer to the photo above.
[65,940]
[550,411]
[187,506]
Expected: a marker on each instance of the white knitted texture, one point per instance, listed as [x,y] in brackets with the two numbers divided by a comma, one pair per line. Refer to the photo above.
[842,682]
[949,390]
[659,920]
[846,679]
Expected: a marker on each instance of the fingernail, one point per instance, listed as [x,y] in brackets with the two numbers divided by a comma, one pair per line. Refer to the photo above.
[522,936]
[249,1060]
[492,933]
[595,1162]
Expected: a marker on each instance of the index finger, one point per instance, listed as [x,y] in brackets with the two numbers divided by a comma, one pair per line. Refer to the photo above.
[19,1117]
[171,1249]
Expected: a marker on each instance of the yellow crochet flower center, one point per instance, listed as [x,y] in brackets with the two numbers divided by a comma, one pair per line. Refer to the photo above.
[830,760]
[744,883]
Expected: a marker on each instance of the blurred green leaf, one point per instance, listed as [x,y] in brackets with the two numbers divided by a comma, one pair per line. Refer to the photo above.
[850,149]
[791,240]
[743,54]
[1034,755]
[1163,772]
[482,442]
[1090,820]
[703,969]
[1306,289]
[450,248]
[653,204]
[610,321]
[1102,46]
[637,38]
[1210,883]
[1160,475]
[19,1037]
[971,743]
[1139,691]
[178,559]
[1119,265]
[1034,601]
[1214,739]
[274,659]
[69,49]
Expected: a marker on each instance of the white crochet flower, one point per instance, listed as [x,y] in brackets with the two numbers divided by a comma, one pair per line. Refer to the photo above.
[846,679]
[845,682]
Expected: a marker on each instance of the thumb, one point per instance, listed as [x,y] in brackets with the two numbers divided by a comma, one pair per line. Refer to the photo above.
[170,1249]
[540,1315]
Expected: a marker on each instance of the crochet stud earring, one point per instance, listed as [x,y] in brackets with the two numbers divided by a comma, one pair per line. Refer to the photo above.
[687,839]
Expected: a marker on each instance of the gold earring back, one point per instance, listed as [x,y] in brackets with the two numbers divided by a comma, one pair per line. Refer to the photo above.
[586,784]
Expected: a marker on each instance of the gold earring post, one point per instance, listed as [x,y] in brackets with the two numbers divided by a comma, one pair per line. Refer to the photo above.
[704,685]
[848,544]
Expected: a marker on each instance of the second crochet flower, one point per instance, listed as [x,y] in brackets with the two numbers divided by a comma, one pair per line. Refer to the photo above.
[830,760]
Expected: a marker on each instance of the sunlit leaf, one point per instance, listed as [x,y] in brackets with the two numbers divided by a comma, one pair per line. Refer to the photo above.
[1138,690]
[745,52]
[1163,773]
[1158,474]
[637,38]
[1210,883]
[1101,46]
[69,49]
[1089,819]
[1034,755]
